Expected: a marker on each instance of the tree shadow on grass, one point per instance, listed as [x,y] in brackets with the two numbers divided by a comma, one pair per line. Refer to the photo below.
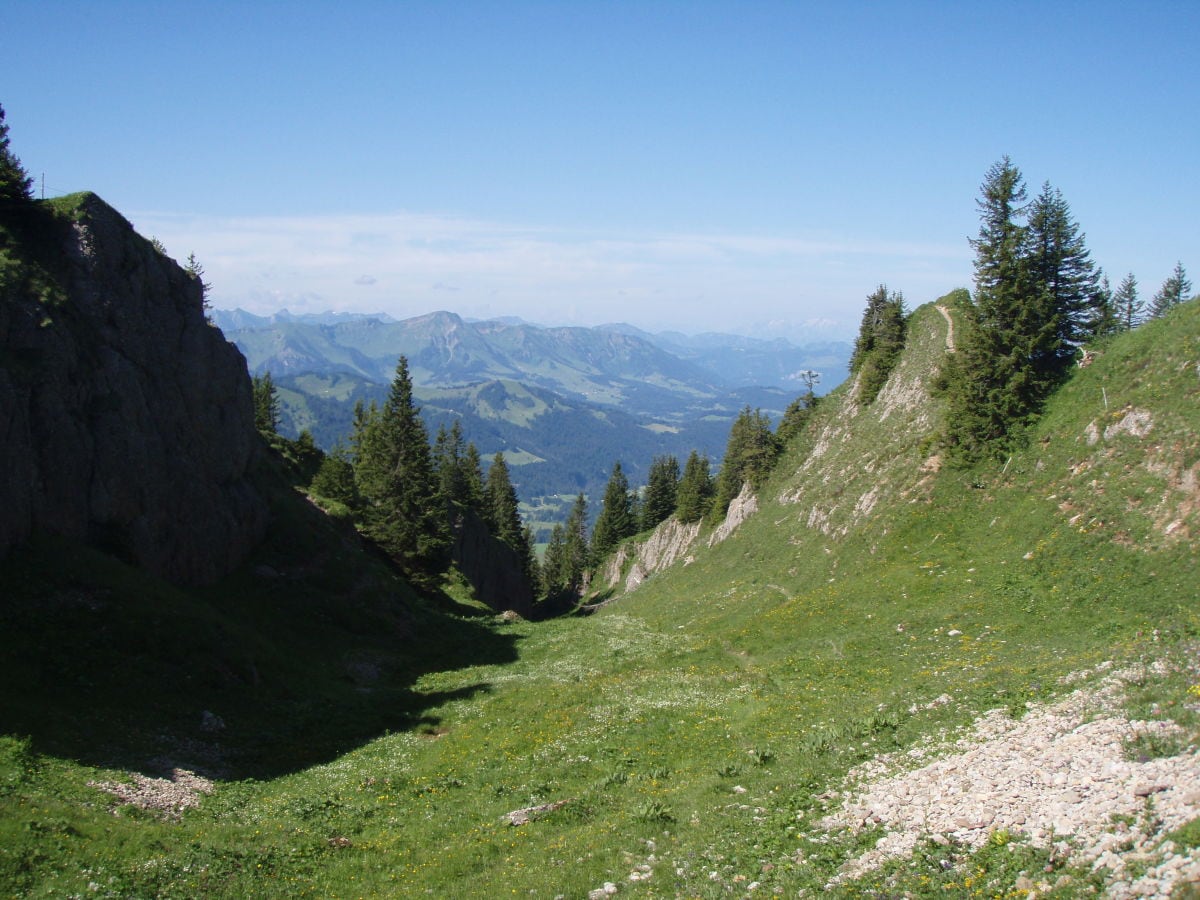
[275,669]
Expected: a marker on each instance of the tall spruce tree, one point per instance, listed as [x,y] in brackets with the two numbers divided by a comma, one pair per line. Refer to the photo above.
[501,509]
[335,479]
[394,470]
[662,486]
[1064,281]
[576,543]
[694,498]
[566,560]
[16,187]
[529,561]
[554,562]
[452,469]
[1103,319]
[1174,290]
[472,470]
[616,520]
[1129,309]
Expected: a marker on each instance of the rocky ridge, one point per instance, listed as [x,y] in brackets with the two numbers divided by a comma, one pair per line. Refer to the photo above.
[837,485]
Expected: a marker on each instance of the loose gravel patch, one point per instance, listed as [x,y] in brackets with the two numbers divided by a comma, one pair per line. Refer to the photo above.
[1059,776]
[167,796]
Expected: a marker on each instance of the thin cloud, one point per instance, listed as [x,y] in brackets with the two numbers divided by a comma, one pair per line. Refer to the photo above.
[682,281]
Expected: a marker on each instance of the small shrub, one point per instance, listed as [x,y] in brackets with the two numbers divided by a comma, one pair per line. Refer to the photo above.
[1147,745]
[763,756]
[655,811]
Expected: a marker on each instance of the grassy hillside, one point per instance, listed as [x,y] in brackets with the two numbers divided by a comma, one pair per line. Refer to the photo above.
[686,740]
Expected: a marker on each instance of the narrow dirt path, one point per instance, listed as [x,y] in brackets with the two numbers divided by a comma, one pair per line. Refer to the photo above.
[950,348]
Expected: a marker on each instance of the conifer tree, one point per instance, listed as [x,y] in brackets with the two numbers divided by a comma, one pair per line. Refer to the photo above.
[799,411]
[694,497]
[1174,290]
[529,561]
[195,271]
[445,465]
[266,404]
[795,417]
[358,429]
[1103,319]
[749,456]
[662,487]
[394,471]
[880,340]
[450,470]
[472,472]
[335,479]
[616,520]
[1129,309]
[576,558]
[1009,350]
[501,509]
[554,561]
[306,451]
[1065,282]
[566,559]
[16,187]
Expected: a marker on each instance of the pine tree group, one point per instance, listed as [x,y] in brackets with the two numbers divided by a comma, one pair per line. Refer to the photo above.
[1037,298]
[749,457]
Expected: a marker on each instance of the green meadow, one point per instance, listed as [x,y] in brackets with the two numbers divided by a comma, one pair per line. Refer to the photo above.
[685,740]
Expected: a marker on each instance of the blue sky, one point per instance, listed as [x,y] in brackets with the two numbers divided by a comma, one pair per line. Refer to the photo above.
[746,167]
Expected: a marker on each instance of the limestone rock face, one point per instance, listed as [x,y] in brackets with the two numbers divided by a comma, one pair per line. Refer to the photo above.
[668,543]
[125,418]
[741,507]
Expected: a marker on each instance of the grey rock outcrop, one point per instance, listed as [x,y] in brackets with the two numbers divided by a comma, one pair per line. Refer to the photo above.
[741,507]
[665,545]
[635,561]
[125,418]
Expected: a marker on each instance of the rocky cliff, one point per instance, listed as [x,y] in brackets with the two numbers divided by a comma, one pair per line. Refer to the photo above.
[491,566]
[125,418]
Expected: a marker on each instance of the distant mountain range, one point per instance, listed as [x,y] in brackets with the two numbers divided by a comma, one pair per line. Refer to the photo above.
[608,364]
[562,403]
